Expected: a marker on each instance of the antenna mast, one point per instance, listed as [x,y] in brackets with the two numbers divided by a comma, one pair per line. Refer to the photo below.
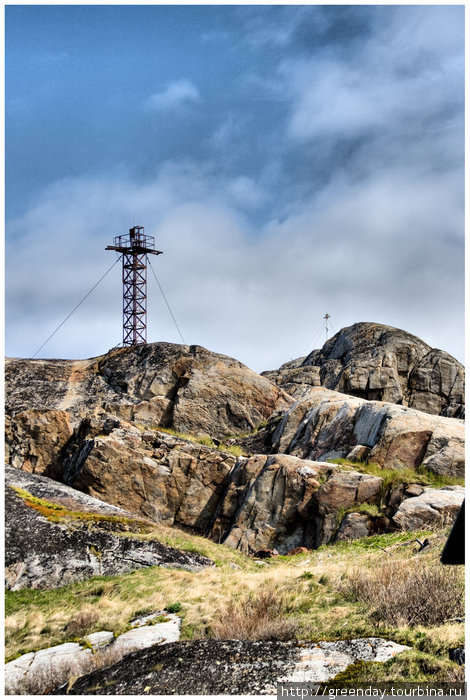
[326,317]
[134,249]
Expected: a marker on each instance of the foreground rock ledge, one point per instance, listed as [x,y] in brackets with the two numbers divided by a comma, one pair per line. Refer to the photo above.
[229,667]
[44,554]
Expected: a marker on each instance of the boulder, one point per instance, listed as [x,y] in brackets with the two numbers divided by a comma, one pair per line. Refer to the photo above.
[354,526]
[70,537]
[380,363]
[432,508]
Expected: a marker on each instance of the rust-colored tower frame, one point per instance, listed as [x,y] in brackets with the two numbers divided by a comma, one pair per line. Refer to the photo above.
[134,249]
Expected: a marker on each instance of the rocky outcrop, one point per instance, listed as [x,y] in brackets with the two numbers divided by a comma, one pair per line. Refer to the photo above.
[328,425]
[34,439]
[380,363]
[56,535]
[229,667]
[183,387]
[170,480]
[41,671]
[262,502]
[91,424]
[280,502]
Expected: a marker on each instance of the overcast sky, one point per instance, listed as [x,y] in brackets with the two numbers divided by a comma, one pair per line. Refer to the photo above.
[289,160]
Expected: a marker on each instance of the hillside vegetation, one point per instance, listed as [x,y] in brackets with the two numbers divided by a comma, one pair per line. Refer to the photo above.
[342,591]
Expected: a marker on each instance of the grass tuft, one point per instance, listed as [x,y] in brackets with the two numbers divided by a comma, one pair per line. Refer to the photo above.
[393,477]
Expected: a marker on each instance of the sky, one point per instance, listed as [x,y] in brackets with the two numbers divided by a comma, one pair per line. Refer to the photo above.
[290,160]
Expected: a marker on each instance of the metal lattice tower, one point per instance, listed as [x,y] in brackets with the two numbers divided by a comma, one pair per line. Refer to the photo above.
[134,249]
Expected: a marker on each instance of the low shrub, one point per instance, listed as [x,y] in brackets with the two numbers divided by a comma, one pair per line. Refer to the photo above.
[254,617]
[173,607]
[413,593]
[82,622]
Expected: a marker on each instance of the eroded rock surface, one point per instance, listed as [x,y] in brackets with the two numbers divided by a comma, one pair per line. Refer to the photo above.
[380,363]
[184,387]
[92,539]
[327,425]
[229,667]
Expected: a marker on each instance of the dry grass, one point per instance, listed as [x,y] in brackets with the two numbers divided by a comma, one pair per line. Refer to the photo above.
[409,592]
[310,592]
[81,622]
[256,616]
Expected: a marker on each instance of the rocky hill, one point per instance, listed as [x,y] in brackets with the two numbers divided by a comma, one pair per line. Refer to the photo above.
[380,363]
[174,386]
[159,468]
[96,425]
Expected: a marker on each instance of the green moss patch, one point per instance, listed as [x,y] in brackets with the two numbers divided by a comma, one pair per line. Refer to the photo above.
[55,513]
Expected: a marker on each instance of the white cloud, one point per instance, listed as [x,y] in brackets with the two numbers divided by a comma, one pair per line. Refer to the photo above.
[365,219]
[176,94]
[387,249]
[405,77]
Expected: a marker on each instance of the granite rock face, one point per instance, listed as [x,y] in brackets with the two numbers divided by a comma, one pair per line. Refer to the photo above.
[91,424]
[260,502]
[263,502]
[34,439]
[380,363]
[229,667]
[328,425]
[183,387]
[91,540]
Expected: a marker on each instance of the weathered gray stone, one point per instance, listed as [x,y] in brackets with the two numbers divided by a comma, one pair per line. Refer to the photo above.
[148,635]
[380,363]
[98,640]
[44,554]
[230,667]
[353,527]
